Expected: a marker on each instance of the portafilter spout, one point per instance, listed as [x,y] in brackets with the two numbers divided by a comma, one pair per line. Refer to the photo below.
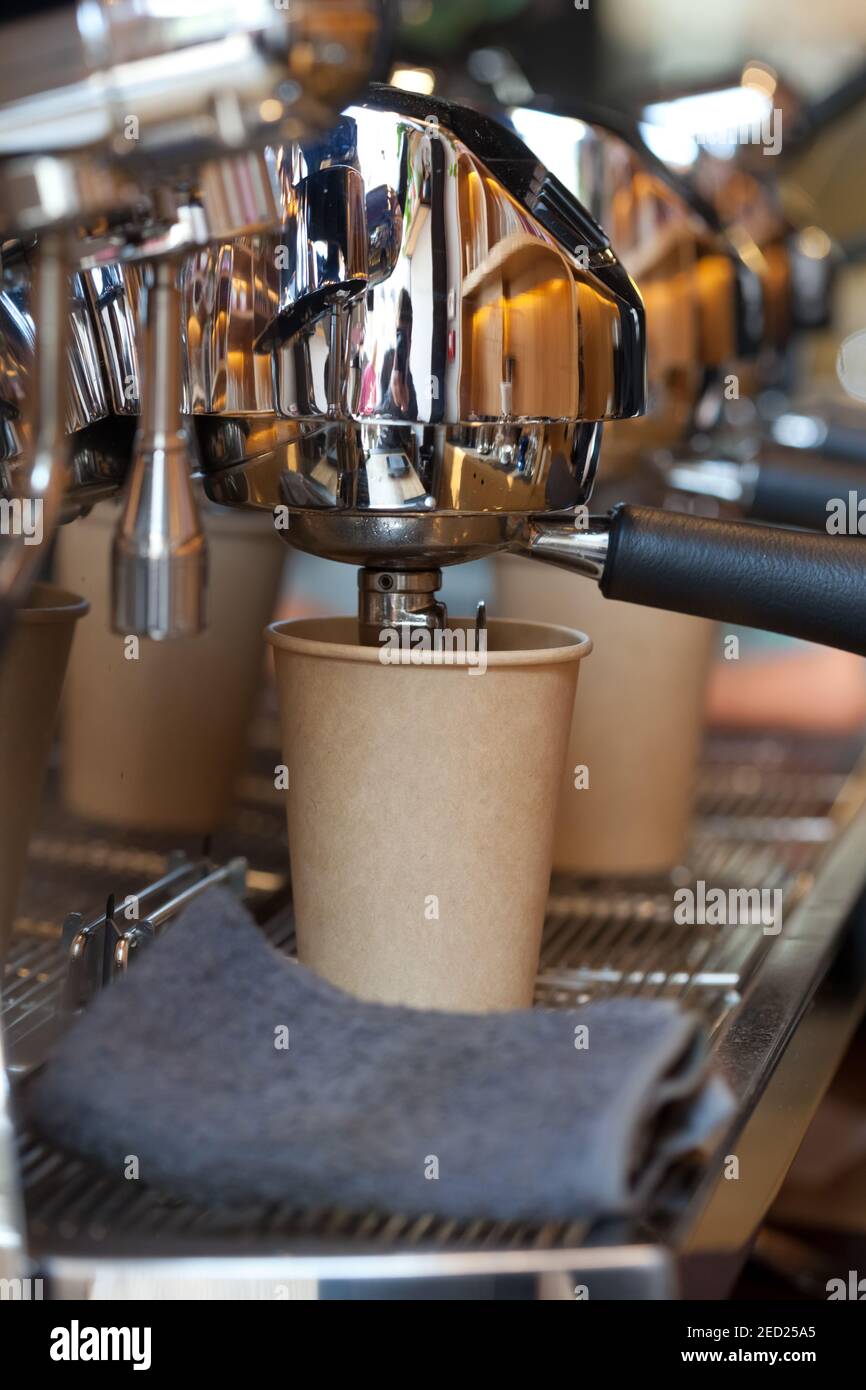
[397,599]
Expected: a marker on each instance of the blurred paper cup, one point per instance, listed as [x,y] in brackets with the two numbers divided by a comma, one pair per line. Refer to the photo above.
[420,806]
[154,733]
[636,731]
[32,666]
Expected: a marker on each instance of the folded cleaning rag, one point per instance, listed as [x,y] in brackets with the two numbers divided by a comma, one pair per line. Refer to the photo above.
[233,1075]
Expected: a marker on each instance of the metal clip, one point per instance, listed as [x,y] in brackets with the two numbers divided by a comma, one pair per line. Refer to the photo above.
[100,948]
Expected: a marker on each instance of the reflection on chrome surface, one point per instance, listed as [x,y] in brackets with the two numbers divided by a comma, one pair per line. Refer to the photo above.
[325,466]
[474,375]
[700,295]
[87,398]
[436,324]
[483,313]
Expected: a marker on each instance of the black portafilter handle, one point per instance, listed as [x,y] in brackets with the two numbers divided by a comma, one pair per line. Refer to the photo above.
[800,583]
[814,496]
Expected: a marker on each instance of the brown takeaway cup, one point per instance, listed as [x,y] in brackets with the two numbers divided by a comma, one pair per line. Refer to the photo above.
[636,728]
[32,667]
[421,802]
[156,743]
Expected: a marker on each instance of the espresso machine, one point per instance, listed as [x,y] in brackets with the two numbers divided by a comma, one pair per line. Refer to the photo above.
[751,462]
[271,384]
[536,466]
[378,316]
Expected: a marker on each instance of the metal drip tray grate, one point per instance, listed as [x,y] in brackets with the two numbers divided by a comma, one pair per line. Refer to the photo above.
[600,939]
[606,943]
[72,1209]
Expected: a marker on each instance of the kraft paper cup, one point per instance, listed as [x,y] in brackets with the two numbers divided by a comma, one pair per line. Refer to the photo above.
[32,666]
[156,743]
[636,728]
[421,804]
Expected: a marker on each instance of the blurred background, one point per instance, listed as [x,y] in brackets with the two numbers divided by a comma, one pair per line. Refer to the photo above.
[624,45]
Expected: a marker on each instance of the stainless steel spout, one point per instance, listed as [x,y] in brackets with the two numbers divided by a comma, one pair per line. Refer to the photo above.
[160,560]
[398,599]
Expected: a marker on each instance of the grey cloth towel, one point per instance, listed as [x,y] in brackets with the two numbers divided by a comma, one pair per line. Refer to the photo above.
[233,1075]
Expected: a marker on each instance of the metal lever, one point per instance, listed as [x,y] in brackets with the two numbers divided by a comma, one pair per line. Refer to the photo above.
[99,949]
[81,940]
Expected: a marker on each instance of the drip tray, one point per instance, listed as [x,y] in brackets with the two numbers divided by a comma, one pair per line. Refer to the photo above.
[768,814]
